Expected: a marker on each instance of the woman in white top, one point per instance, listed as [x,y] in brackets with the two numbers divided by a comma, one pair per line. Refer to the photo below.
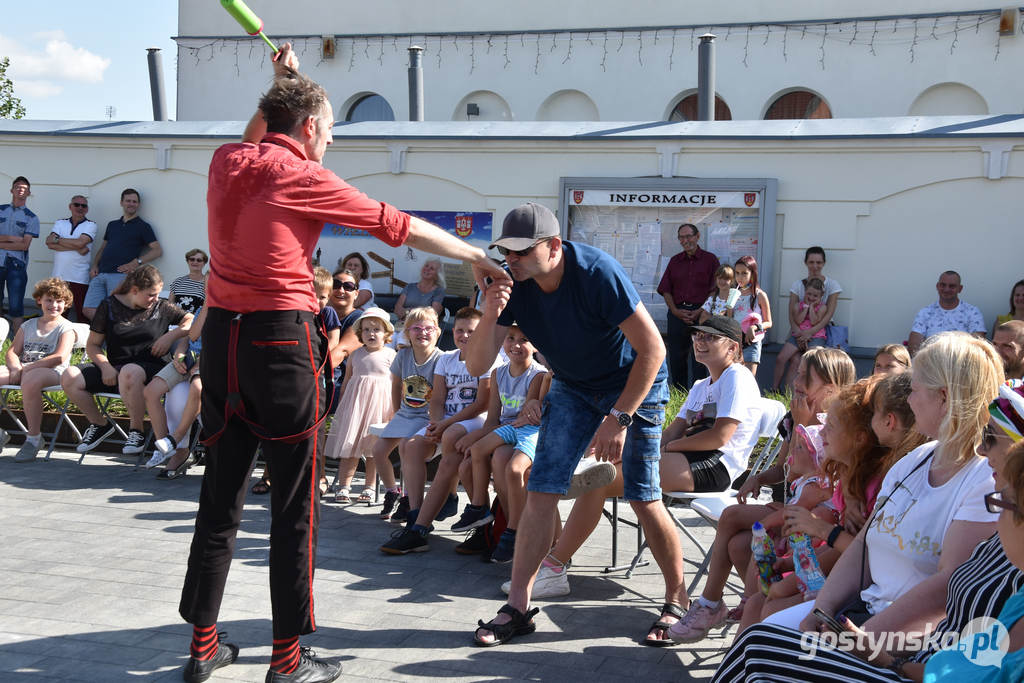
[357,265]
[930,512]
[814,259]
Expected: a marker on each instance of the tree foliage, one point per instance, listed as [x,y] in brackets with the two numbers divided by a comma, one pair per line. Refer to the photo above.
[10,106]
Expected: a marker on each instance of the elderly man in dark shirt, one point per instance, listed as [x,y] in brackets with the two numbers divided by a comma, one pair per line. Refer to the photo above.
[686,284]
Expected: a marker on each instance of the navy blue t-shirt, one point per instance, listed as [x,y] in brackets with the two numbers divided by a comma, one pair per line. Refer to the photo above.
[576,327]
[124,242]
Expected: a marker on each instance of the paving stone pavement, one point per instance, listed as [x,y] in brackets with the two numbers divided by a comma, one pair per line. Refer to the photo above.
[93,557]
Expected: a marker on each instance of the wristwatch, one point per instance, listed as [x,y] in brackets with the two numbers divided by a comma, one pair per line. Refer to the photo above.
[624,419]
[139,260]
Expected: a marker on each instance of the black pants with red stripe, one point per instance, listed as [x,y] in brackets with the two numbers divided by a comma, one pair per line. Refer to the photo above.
[278,357]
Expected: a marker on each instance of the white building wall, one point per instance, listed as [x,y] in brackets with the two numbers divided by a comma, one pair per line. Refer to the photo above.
[862,69]
[892,213]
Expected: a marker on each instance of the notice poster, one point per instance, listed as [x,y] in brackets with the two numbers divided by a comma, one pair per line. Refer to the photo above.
[639,227]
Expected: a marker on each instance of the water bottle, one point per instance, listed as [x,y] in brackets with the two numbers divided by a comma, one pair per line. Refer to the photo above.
[809,577]
[764,556]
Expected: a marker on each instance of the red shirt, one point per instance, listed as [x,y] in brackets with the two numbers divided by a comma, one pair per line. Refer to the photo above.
[267,206]
[689,279]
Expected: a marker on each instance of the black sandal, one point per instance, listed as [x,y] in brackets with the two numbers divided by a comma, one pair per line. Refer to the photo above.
[668,609]
[262,487]
[520,625]
[179,471]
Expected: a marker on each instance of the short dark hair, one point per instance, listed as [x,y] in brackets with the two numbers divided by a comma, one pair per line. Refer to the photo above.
[130,190]
[814,250]
[362,262]
[21,179]
[688,225]
[290,101]
[468,313]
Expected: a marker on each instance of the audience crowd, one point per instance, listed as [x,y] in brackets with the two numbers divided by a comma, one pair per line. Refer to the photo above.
[909,483]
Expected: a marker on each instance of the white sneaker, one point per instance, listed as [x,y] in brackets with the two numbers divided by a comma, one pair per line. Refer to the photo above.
[4,438]
[166,445]
[135,443]
[548,584]
[158,458]
[590,474]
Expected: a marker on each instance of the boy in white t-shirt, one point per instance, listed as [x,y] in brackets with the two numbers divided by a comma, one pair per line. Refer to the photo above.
[457,407]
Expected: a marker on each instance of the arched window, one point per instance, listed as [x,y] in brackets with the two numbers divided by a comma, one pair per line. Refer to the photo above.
[686,110]
[799,104]
[370,108]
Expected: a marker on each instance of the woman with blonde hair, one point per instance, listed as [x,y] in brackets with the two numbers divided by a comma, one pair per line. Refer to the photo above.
[930,513]
[428,292]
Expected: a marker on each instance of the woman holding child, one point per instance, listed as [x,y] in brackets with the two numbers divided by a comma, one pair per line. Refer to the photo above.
[929,517]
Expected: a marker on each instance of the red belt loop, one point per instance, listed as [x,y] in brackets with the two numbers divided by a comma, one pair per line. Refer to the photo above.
[235,407]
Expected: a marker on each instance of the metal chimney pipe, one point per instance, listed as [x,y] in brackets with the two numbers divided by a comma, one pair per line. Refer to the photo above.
[415,83]
[706,78]
[156,83]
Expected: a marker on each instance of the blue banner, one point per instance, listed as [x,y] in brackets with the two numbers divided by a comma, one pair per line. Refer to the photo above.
[468,225]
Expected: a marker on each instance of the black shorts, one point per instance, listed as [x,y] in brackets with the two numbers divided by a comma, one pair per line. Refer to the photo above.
[709,474]
[94,378]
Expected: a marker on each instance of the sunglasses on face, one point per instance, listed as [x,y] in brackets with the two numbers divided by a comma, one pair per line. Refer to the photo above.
[996,502]
[347,286]
[520,252]
[197,259]
[79,205]
[990,436]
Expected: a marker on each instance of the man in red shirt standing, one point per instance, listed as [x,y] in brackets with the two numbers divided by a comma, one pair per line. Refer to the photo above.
[264,361]
[686,284]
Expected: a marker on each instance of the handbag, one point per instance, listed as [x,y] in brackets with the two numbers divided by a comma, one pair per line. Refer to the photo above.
[837,336]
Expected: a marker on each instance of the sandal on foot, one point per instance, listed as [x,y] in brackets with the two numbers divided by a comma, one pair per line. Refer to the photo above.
[520,625]
[365,497]
[261,487]
[735,615]
[342,496]
[668,609]
[178,471]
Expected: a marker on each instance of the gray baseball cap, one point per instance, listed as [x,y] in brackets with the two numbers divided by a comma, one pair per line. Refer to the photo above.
[525,225]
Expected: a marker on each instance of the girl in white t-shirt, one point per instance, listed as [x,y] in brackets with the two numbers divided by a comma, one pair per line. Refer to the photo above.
[36,358]
[930,512]
[723,299]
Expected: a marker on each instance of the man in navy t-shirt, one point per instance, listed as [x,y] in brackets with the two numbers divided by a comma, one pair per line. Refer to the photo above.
[128,243]
[577,306]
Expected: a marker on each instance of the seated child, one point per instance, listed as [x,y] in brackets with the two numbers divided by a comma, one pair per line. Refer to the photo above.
[173,401]
[412,376]
[365,401]
[811,312]
[458,406]
[138,329]
[36,358]
[510,436]
[807,488]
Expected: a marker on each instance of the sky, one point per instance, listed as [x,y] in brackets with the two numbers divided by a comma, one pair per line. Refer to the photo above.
[71,59]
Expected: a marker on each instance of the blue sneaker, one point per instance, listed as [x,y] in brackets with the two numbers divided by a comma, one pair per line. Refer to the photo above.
[450,508]
[506,547]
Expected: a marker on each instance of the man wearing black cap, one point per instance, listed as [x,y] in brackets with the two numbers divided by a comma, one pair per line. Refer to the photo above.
[607,398]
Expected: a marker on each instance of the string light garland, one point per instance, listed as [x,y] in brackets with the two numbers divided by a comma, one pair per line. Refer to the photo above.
[898,30]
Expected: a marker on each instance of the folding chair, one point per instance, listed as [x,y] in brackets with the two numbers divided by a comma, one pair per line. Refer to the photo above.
[772,412]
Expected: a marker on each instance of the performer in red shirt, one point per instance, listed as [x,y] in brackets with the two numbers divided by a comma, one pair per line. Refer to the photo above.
[264,364]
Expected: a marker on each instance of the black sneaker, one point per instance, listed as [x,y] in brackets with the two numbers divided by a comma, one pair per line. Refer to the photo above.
[311,669]
[198,670]
[390,500]
[94,436]
[472,517]
[405,541]
[475,544]
[135,443]
[506,547]
[449,509]
[401,515]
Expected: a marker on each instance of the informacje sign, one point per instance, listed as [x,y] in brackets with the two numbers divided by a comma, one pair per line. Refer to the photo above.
[682,199]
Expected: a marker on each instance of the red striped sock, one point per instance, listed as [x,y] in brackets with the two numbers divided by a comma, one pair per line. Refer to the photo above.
[285,658]
[204,642]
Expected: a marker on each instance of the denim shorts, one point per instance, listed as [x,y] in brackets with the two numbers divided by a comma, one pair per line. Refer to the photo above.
[752,353]
[811,343]
[100,287]
[15,276]
[523,439]
[570,418]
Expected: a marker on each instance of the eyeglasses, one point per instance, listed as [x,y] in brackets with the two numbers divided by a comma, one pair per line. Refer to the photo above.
[688,237]
[996,502]
[347,286]
[705,337]
[990,436]
[79,205]
[521,252]
[421,329]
